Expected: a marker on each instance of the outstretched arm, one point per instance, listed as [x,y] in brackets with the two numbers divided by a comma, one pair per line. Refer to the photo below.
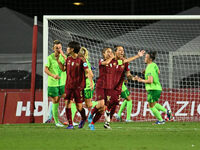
[148,81]
[140,54]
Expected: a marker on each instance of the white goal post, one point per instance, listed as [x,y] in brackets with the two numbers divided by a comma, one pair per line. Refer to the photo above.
[171,54]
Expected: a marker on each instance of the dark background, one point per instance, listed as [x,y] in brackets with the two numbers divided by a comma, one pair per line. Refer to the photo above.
[99,7]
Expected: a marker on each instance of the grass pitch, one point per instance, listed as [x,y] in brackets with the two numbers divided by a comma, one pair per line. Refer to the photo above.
[123,136]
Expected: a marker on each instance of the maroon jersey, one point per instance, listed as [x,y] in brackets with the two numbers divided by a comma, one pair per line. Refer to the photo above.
[75,73]
[101,78]
[106,75]
[120,75]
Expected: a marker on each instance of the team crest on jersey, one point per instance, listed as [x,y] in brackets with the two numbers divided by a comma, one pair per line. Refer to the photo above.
[99,96]
[108,98]
[72,63]
[110,65]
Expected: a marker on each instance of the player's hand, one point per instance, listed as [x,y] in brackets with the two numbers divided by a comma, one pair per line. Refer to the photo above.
[57,57]
[141,53]
[56,77]
[143,71]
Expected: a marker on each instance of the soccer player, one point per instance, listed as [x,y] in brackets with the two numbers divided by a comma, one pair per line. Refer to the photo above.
[88,93]
[56,80]
[104,82]
[153,87]
[76,68]
[73,106]
[119,50]
[121,70]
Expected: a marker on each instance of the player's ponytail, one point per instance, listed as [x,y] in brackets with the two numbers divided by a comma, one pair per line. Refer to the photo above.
[84,52]
[152,55]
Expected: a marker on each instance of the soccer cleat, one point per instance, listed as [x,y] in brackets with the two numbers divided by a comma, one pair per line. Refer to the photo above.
[169,116]
[75,124]
[70,127]
[118,118]
[160,122]
[59,125]
[107,116]
[91,126]
[48,121]
[81,124]
[90,118]
[107,125]
[129,120]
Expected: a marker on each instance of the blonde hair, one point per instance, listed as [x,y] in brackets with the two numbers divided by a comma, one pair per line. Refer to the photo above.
[84,52]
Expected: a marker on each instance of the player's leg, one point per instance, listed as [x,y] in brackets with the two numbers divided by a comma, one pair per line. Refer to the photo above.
[68,112]
[97,112]
[168,113]
[129,108]
[53,92]
[152,98]
[69,97]
[79,98]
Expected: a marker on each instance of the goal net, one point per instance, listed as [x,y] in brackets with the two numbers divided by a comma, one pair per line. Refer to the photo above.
[175,38]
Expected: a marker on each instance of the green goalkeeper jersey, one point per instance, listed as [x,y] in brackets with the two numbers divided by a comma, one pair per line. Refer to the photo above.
[152,70]
[54,68]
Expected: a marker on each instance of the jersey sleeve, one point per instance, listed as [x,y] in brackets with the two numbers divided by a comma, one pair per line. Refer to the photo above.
[127,67]
[100,62]
[85,65]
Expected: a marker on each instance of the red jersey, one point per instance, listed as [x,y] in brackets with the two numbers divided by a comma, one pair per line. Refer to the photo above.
[75,73]
[101,78]
[106,75]
[120,75]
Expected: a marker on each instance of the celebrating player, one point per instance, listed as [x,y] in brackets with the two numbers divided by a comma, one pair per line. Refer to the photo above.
[76,68]
[119,50]
[121,69]
[104,82]
[153,87]
[56,80]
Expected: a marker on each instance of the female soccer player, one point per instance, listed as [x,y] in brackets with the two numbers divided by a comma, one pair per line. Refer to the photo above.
[76,68]
[153,87]
[102,85]
[88,93]
[56,79]
[119,50]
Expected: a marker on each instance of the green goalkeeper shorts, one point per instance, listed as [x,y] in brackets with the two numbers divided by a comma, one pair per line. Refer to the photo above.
[56,91]
[153,95]
[88,93]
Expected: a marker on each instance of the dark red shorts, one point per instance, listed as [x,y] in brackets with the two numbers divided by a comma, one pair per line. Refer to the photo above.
[113,96]
[100,94]
[76,94]
[108,95]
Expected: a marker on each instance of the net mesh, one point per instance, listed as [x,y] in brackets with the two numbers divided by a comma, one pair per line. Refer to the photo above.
[180,72]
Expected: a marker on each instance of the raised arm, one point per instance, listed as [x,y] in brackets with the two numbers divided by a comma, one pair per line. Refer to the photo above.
[106,62]
[140,54]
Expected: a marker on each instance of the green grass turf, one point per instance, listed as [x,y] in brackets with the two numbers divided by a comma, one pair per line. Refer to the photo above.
[123,136]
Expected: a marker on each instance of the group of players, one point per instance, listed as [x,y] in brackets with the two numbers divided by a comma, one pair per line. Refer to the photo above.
[70,76]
